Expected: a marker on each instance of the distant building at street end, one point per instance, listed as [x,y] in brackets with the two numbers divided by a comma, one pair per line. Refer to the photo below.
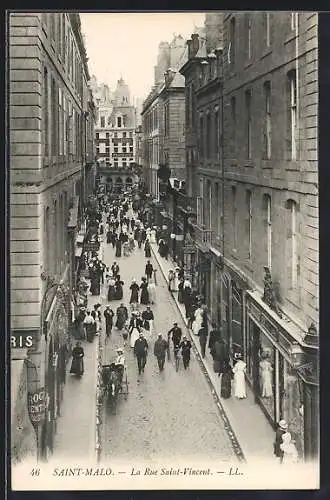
[115,136]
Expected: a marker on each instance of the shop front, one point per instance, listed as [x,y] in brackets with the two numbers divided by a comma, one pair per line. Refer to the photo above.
[228,291]
[204,276]
[273,357]
[57,353]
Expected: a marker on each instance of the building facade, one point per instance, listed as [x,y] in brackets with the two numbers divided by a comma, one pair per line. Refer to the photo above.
[51,163]
[259,219]
[115,137]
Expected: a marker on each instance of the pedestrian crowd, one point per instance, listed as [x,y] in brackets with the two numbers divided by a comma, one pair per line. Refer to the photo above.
[125,234]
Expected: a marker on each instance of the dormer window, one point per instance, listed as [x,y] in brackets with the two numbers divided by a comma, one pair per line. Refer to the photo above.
[119,122]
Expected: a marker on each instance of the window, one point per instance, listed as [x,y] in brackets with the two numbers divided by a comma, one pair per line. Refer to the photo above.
[63,39]
[268,220]
[124,135]
[46,114]
[124,149]
[268,129]
[193,107]
[248,122]
[102,121]
[292,243]
[267,29]
[54,118]
[208,136]
[216,133]
[119,121]
[233,120]
[218,210]
[131,134]
[124,163]
[131,149]
[115,135]
[107,135]
[60,121]
[234,216]
[97,150]
[166,118]
[292,115]
[201,136]
[249,36]
[52,25]
[115,149]
[115,164]
[232,42]
[209,197]
[200,198]
[249,222]
[97,135]
[293,20]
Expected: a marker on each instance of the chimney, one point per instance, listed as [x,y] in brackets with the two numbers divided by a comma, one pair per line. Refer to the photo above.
[195,43]
[190,49]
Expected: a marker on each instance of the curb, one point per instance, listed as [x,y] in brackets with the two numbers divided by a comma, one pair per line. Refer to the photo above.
[227,425]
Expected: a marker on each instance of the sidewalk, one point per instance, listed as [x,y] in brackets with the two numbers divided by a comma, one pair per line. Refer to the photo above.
[253,432]
[76,427]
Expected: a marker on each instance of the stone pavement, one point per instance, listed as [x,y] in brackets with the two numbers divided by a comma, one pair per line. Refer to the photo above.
[168,415]
[253,431]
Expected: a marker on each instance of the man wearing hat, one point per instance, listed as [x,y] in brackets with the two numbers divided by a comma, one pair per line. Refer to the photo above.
[160,350]
[120,362]
[175,333]
[141,351]
[282,429]
[185,349]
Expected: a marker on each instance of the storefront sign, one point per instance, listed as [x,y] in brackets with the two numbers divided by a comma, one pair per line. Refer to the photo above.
[22,340]
[92,246]
[37,406]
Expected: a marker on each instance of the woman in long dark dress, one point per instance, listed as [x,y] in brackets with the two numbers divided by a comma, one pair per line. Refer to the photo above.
[111,289]
[226,380]
[119,288]
[118,248]
[77,365]
[134,293]
[144,298]
[180,291]
[147,250]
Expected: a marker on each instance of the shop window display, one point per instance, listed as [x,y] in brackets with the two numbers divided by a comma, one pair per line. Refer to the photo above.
[291,401]
[267,375]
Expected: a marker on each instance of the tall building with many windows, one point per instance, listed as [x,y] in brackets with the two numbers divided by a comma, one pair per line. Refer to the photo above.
[52,117]
[115,136]
[256,204]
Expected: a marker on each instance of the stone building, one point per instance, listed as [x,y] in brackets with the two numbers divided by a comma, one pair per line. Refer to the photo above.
[163,116]
[259,219]
[51,164]
[115,136]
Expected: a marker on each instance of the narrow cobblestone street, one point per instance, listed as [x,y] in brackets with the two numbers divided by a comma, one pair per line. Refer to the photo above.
[166,415]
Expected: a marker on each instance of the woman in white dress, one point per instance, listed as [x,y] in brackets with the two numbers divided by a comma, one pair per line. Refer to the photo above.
[153,235]
[266,371]
[197,323]
[152,291]
[239,379]
[290,451]
[134,328]
[148,231]
[176,280]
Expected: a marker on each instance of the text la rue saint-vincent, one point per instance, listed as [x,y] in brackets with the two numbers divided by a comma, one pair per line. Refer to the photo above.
[185,471]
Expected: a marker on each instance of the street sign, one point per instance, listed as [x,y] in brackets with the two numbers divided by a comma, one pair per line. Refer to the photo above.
[92,246]
[37,406]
